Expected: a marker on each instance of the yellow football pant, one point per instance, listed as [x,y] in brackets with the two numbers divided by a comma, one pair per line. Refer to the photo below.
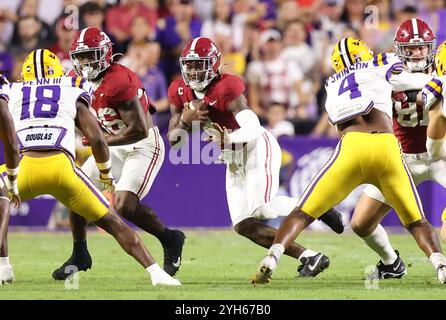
[364,158]
[57,175]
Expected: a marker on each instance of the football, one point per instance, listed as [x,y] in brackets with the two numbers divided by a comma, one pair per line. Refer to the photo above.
[197,104]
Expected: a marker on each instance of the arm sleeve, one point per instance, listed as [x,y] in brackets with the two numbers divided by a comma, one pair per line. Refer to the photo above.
[408,81]
[4,92]
[432,92]
[250,127]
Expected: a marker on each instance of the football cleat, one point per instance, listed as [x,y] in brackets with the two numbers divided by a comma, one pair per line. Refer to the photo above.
[312,266]
[163,279]
[71,266]
[390,271]
[265,271]
[173,252]
[6,274]
[441,273]
[333,219]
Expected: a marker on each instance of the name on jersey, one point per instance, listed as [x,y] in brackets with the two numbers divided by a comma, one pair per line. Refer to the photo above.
[41,137]
[344,72]
[38,136]
[43,81]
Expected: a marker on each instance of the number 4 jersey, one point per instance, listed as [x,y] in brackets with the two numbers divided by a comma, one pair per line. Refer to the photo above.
[364,85]
[44,111]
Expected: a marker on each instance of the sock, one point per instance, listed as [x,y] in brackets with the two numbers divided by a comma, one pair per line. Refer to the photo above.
[437,259]
[80,248]
[154,268]
[4,261]
[276,250]
[307,253]
[379,242]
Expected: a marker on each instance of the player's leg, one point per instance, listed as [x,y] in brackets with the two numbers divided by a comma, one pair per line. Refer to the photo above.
[365,222]
[80,257]
[336,179]
[6,272]
[400,190]
[139,171]
[261,180]
[76,192]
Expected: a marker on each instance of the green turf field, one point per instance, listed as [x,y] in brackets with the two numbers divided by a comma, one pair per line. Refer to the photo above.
[217,265]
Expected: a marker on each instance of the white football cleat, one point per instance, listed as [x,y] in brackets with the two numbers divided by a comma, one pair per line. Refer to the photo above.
[265,271]
[164,279]
[441,273]
[6,274]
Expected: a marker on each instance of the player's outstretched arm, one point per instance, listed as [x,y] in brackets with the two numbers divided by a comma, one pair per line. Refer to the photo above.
[11,151]
[132,114]
[90,128]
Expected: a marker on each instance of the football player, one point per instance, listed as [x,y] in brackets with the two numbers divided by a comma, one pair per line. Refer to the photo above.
[432,99]
[415,46]
[45,108]
[11,153]
[359,104]
[137,150]
[252,154]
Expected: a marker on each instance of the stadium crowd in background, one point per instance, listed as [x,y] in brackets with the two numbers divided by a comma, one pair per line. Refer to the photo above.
[281,48]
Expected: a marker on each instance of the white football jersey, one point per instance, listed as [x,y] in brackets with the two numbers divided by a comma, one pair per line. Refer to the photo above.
[364,85]
[44,111]
[433,91]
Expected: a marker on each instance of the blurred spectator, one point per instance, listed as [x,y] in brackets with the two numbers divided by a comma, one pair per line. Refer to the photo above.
[65,37]
[296,48]
[276,121]
[92,15]
[251,43]
[220,22]
[28,35]
[30,8]
[119,19]
[272,78]
[379,36]
[354,13]
[232,61]
[288,11]
[173,33]
[205,8]
[405,13]
[429,12]
[143,58]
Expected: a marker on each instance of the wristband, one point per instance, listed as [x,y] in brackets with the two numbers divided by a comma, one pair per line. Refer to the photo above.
[104,165]
[12,172]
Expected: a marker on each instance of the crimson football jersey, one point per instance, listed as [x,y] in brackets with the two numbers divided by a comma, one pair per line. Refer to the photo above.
[221,92]
[410,126]
[118,85]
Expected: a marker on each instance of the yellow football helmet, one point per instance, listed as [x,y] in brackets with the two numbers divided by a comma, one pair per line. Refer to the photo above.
[348,51]
[41,63]
[440,59]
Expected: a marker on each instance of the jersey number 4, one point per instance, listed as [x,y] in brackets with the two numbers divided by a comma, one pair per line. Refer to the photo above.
[349,84]
[45,104]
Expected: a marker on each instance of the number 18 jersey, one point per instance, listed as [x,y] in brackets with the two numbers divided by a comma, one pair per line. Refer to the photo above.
[44,111]
[364,85]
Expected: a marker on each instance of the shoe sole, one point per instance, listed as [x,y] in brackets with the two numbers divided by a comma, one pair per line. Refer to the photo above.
[69,274]
[388,275]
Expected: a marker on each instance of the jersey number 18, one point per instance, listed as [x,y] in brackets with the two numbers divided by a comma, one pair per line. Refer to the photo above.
[45,105]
